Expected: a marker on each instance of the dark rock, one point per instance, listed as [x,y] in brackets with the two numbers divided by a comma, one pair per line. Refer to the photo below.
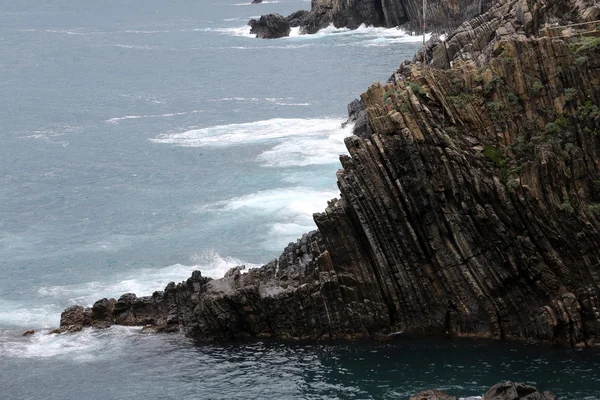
[433,395]
[29,332]
[74,315]
[357,115]
[516,391]
[298,18]
[441,15]
[256,1]
[271,26]
[103,313]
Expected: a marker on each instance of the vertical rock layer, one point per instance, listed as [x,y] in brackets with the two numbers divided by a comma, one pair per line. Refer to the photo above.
[470,206]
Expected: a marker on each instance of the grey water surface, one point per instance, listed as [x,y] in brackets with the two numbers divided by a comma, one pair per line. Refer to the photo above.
[141,140]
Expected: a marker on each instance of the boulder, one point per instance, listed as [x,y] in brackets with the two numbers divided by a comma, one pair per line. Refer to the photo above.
[271,26]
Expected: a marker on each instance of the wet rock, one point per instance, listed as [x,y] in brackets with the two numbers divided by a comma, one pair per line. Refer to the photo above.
[74,315]
[271,26]
[28,333]
[256,1]
[433,395]
[516,391]
[103,313]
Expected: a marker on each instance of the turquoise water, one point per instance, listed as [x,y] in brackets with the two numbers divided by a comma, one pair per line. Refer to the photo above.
[143,140]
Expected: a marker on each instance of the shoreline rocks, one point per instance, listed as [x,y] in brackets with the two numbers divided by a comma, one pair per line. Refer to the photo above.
[501,391]
[470,207]
[270,26]
[442,16]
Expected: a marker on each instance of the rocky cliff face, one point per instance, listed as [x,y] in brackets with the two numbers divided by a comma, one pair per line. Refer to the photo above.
[470,206]
[441,15]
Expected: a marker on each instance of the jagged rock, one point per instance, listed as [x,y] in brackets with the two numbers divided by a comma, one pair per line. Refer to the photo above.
[271,26]
[74,315]
[298,18]
[28,333]
[357,115]
[103,313]
[470,206]
[441,15]
[516,391]
[433,395]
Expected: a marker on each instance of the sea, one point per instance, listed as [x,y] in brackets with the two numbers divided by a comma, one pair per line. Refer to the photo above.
[142,140]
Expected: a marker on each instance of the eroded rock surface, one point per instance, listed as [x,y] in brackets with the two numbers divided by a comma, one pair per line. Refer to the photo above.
[442,16]
[470,206]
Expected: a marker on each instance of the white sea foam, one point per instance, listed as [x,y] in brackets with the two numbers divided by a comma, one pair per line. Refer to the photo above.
[16,315]
[295,141]
[85,346]
[289,210]
[146,32]
[363,35]
[141,282]
[316,147]
[243,31]
[116,120]
[280,101]
[257,4]
[135,47]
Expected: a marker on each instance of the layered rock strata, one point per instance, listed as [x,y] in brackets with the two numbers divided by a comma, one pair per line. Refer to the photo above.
[470,206]
[441,15]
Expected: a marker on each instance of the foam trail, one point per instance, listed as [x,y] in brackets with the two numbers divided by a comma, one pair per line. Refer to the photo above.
[116,120]
[15,315]
[297,142]
[86,346]
[243,31]
[312,149]
[288,210]
[251,132]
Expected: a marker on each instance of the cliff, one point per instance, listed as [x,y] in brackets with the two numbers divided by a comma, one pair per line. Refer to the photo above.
[441,16]
[470,206]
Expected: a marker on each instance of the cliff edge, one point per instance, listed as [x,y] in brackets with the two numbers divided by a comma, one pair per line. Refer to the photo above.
[470,205]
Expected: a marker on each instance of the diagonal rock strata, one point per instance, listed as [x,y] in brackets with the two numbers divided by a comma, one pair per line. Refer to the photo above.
[470,206]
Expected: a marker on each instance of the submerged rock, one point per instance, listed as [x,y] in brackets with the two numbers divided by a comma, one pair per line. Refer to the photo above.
[271,26]
[470,206]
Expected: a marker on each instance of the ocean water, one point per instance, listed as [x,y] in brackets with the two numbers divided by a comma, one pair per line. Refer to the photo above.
[141,140]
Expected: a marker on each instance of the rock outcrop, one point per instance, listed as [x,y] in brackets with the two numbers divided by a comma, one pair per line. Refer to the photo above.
[516,391]
[271,26]
[470,206]
[441,15]
[501,391]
